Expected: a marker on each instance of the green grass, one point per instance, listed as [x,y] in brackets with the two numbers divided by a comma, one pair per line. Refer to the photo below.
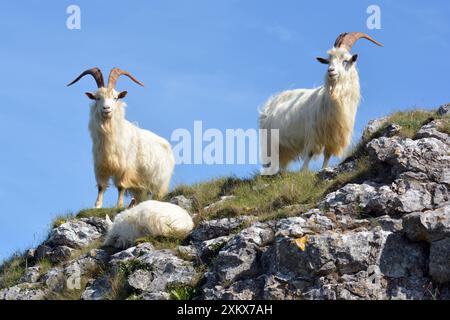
[160,242]
[12,270]
[181,292]
[61,219]
[410,121]
[101,213]
[264,197]
[205,193]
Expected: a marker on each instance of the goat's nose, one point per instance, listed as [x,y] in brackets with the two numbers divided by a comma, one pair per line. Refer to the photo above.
[331,69]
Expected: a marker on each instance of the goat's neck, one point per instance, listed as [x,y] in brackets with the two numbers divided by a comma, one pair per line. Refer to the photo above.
[105,131]
[345,92]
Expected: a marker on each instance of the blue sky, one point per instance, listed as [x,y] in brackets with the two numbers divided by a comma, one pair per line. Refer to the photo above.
[215,61]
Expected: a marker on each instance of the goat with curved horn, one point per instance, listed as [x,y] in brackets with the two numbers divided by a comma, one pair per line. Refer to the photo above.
[116,73]
[94,72]
[348,39]
[137,160]
[316,121]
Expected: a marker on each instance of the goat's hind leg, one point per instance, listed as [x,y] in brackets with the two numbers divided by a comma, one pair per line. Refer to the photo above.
[326,159]
[121,194]
[101,192]
[306,161]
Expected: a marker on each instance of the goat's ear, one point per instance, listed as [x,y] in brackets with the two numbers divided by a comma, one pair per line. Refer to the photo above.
[354,58]
[323,60]
[91,95]
[122,95]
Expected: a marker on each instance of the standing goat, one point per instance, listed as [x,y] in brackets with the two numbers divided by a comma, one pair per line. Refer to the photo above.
[137,160]
[321,120]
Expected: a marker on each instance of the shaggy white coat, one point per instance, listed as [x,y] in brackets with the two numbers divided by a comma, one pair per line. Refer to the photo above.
[137,160]
[149,218]
[315,121]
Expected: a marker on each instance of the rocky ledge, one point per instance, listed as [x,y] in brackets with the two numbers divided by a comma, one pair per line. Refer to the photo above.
[387,237]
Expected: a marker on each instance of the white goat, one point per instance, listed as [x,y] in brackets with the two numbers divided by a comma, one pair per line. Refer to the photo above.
[149,218]
[137,160]
[321,120]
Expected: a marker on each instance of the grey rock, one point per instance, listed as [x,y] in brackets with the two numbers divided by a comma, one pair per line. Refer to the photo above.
[325,254]
[155,296]
[165,269]
[410,196]
[209,248]
[350,199]
[366,284]
[100,289]
[183,202]
[440,260]
[249,289]
[444,109]
[75,234]
[431,130]
[141,280]
[373,126]
[99,223]
[401,258]
[429,156]
[211,229]
[428,226]
[187,252]
[332,172]
[292,227]
[240,256]
[41,252]
[278,289]
[60,254]
[24,291]
[54,279]
[222,200]
[129,254]
[409,288]
[391,130]
[31,275]
[388,223]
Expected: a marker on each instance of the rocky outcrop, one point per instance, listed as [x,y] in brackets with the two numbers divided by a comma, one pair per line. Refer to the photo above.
[386,236]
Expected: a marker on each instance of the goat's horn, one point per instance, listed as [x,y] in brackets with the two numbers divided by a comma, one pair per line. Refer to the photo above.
[116,73]
[96,73]
[348,39]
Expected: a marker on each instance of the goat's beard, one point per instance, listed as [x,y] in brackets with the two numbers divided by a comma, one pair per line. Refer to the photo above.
[107,116]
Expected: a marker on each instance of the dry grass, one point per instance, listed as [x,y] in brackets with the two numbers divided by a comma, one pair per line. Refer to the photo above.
[444,126]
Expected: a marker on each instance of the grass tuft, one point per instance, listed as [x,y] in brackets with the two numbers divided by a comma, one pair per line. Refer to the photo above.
[12,270]
[101,213]
[160,242]
[444,126]
[181,292]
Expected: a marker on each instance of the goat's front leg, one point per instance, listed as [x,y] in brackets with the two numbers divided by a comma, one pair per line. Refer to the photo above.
[121,191]
[306,162]
[101,192]
[326,160]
